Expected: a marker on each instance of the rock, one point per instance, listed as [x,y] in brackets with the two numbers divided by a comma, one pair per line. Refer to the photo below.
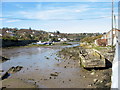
[3,88]
[35,83]
[3,59]
[101,81]
[50,77]
[4,76]
[1,70]
[92,73]
[84,76]
[95,80]
[89,85]
[11,70]
[108,84]
[65,66]
[18,68]
[47,57]
[15,69]
[54,74]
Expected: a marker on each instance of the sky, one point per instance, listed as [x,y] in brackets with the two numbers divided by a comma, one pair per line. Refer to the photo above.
[66,17]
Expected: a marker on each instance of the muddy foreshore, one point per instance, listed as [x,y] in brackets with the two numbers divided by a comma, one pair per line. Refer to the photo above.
[46,67]
[99,78]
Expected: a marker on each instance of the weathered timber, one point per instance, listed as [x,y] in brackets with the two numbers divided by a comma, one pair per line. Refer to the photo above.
[91,58]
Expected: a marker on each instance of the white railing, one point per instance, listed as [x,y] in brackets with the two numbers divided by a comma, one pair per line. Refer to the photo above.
[116,68]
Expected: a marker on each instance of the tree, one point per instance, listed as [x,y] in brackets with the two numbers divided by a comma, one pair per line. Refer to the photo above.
[58,32]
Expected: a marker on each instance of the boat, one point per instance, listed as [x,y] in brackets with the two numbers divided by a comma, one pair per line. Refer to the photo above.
[91,58]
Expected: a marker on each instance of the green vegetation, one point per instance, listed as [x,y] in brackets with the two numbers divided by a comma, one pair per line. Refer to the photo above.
[64,43]
[91,39]
[40,35]
[9,38]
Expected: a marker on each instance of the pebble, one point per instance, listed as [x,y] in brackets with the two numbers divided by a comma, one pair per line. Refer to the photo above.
[65,66]
[35,83]
[101,81]
[90,85]
[50,77]
[84,76]
[95,80]
[97,75]
[108,84]
[92,73]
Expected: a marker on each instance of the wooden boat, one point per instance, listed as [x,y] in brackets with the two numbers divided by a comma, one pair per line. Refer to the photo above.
[91,58]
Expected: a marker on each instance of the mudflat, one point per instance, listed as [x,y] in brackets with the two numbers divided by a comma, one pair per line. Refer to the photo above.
[43,68]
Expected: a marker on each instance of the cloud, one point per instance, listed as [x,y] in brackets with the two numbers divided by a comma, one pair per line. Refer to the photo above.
[12,21]
[53,13]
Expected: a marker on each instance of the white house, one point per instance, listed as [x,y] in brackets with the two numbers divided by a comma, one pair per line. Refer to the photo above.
[62,39]
[108,36]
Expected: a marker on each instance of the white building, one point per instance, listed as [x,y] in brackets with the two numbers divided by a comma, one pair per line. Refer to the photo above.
[62,39]
[108,36]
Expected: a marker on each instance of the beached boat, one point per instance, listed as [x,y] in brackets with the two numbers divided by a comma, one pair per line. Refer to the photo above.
[91,58]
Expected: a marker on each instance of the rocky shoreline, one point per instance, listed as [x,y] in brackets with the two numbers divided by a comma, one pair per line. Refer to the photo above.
[101,77]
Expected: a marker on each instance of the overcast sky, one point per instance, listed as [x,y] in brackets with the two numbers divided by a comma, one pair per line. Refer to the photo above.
[66,17]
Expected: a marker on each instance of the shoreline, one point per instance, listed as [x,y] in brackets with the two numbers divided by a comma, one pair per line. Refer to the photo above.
[101,77]
[38,72]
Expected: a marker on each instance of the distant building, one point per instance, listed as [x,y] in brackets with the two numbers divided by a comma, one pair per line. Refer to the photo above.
[62,39]
[52,35]
[0,34]
[106,39]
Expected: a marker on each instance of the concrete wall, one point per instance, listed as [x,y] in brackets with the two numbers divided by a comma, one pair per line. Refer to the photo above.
[116,69]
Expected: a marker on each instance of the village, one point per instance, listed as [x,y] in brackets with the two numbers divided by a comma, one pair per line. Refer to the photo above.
[61,45]
[99,43]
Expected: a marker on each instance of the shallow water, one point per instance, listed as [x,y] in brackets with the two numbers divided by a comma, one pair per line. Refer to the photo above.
[27,57]
[39,62]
